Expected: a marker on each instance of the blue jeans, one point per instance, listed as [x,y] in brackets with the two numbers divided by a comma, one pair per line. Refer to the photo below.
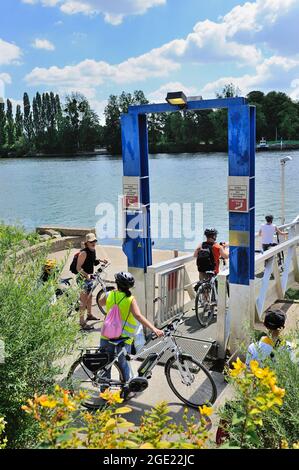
[122,361]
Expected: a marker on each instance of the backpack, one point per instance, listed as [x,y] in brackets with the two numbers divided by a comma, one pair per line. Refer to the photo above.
[112,327]
[73,266]
[205,258]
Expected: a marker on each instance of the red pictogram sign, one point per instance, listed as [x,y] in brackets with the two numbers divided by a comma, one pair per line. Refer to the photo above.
[238,193]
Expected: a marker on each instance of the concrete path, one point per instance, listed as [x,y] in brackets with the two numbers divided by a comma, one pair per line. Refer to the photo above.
[158,389]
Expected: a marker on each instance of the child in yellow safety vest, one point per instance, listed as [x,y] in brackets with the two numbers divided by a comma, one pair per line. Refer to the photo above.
[274,322]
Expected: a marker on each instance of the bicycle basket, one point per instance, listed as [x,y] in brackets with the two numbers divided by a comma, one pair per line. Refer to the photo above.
[95,361]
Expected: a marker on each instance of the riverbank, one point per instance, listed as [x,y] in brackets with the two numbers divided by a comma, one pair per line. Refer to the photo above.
[175,150]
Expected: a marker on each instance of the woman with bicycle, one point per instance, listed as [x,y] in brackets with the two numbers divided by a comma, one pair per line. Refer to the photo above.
[85,267]
[130,315]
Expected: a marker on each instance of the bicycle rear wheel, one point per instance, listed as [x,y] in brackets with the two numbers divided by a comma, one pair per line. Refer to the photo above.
[100,295]
[80,378]
[195,386]
[204,307]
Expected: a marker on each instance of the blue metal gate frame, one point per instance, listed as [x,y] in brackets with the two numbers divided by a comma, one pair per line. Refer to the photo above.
[241,161]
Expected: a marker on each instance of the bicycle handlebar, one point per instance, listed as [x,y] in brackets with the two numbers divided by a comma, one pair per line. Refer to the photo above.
[171,327]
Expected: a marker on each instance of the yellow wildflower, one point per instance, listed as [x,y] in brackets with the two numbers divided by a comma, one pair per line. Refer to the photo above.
[284,444]
[46,402]
[278,392]
[239,366]
[206,410]
[296,445]
[111,397]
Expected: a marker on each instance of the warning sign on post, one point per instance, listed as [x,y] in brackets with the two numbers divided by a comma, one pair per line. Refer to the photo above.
[131,192]
[238,193]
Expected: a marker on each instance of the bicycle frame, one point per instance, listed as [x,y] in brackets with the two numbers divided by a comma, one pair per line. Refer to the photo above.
[212,283]
[170,344]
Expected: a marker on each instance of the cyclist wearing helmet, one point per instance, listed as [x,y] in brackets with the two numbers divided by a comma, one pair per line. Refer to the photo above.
[49,268]
[274,322]
[267,232]
[130,314]
[209,252]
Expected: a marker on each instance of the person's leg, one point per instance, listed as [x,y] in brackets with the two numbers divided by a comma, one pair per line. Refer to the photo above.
[83,302]
[108,347]
[123,363]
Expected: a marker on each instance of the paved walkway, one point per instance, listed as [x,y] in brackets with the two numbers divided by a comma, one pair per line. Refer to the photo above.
[158,389]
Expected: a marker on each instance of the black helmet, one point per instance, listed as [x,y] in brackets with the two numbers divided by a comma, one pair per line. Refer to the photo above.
[124,280]
[269,218]
[211,232]
[274,319]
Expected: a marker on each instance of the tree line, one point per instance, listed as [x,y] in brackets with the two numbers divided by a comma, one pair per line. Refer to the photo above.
[48,126]
[277,116]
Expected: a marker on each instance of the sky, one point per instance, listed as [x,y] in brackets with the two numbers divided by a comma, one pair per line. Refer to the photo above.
[102,47]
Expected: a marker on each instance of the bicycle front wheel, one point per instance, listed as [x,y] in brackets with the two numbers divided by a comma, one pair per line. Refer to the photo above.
[204,307]
[190,381]
[100,295]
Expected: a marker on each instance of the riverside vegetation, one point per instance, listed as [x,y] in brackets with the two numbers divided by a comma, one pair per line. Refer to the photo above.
[49,126]
[34,412]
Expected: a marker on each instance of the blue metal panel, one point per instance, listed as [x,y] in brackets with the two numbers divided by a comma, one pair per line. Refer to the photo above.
[137,244]
[191,105]
[252,188]
[241,140]
[130,145]
[240,119]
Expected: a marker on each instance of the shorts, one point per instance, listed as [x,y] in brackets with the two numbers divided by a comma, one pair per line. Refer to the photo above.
[85,284]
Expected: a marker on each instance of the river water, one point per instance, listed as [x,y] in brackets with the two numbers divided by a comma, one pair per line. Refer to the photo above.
[66,191]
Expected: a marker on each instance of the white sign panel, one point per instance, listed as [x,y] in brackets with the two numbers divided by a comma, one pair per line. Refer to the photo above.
[238,193]
[131,192]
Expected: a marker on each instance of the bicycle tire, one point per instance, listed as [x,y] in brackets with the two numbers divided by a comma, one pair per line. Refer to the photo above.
[203,317]
[100,295]
[211,397]
[70,381]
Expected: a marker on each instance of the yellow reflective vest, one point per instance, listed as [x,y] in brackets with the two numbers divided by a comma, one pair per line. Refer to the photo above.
[129,323]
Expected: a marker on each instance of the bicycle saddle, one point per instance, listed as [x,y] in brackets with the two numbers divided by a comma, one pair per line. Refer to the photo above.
[212,273]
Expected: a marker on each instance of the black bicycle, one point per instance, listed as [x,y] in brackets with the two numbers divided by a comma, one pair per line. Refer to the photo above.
[188,378]
[206,299]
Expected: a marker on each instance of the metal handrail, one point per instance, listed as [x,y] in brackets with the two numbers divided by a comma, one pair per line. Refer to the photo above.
[260,258]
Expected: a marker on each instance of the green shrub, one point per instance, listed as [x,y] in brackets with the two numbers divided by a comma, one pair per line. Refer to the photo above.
[63,426]
[14,238]
[284,426]
[35,334]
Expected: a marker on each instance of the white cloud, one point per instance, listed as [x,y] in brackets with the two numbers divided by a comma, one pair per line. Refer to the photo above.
[114,11]
[9,53]
[43,44]
[5,78]
[275,73]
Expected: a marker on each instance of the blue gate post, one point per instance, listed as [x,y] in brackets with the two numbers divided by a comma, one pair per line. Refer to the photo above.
[137,241]
[241,200]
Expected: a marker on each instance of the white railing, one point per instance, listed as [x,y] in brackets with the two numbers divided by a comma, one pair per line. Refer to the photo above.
[167,283]
[274,284]
[169,289]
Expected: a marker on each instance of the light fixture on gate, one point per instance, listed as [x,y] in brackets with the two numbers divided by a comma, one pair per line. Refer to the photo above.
[176,98]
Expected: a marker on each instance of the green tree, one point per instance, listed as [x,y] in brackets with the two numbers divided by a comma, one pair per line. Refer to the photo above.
[28,123]
[10,125]
[116,106]
[19,123]
[272,106]
[2,125]
[229,91]
[289,121]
